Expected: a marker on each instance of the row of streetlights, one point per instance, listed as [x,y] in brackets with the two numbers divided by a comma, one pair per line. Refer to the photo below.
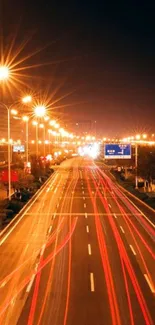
[39,112]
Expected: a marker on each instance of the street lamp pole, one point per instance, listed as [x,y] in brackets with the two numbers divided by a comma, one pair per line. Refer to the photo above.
[27,141]
[9,158]
[44,130]
[136,165]
[37,139]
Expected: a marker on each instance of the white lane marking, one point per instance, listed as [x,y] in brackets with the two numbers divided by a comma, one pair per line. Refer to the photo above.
[85,215]
[84,205]
[115,216]
[89,249]
[58,205]
[122,229]
[83,198]
[3,284]
[30,283]
[133,251]
[54,215]
[82,192]
[48,189]
[50,228]
[109,205]
[149,283]
[36,267]
[92,287]
[42,250]
[87,228]
[55,190]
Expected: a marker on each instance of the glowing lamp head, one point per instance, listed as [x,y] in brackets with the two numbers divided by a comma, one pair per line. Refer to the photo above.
[4,73]
[40,111]
[14,112]
[35,123]
[27,99]
[25,118]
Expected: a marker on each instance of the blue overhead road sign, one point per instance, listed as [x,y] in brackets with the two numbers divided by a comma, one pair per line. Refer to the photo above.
[117,151]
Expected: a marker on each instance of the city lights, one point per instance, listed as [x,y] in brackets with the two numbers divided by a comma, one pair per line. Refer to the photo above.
[40,111]
[27,99]
[4,73]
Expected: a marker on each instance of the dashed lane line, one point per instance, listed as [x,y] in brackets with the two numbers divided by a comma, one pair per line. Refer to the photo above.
[133,251]
[87,229]
[89,249]
[149,283]
[122,229]
[92,286]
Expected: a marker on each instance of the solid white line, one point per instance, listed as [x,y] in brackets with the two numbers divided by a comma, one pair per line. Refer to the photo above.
[115,216]
[149,283]
[84,205]
[30,283]
[83,198]
[92,287]
[55,190]
[89,249]
[48,189]
[133,251]
[122,230]
[87,228]
[54,215]
[85,215]
[109,205]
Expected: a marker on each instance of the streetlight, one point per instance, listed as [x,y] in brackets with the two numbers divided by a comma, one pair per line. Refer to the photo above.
[13,112]
[26,120]
[42,126]
[4,73]
[35,123]
[40,110]
[27,99]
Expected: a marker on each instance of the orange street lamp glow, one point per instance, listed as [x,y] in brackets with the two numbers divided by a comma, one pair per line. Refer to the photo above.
[25,118]
[4,73]
[35,123]
[52,122]
[14,112]
[46,118]
[40,111]
[27,99]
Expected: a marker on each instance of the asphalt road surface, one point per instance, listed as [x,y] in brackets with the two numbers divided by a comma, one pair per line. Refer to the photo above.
[82,254]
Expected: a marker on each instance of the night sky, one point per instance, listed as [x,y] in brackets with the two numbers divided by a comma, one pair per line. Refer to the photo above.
[108,52]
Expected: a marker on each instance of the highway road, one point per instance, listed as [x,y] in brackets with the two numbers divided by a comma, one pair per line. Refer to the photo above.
[82,254]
